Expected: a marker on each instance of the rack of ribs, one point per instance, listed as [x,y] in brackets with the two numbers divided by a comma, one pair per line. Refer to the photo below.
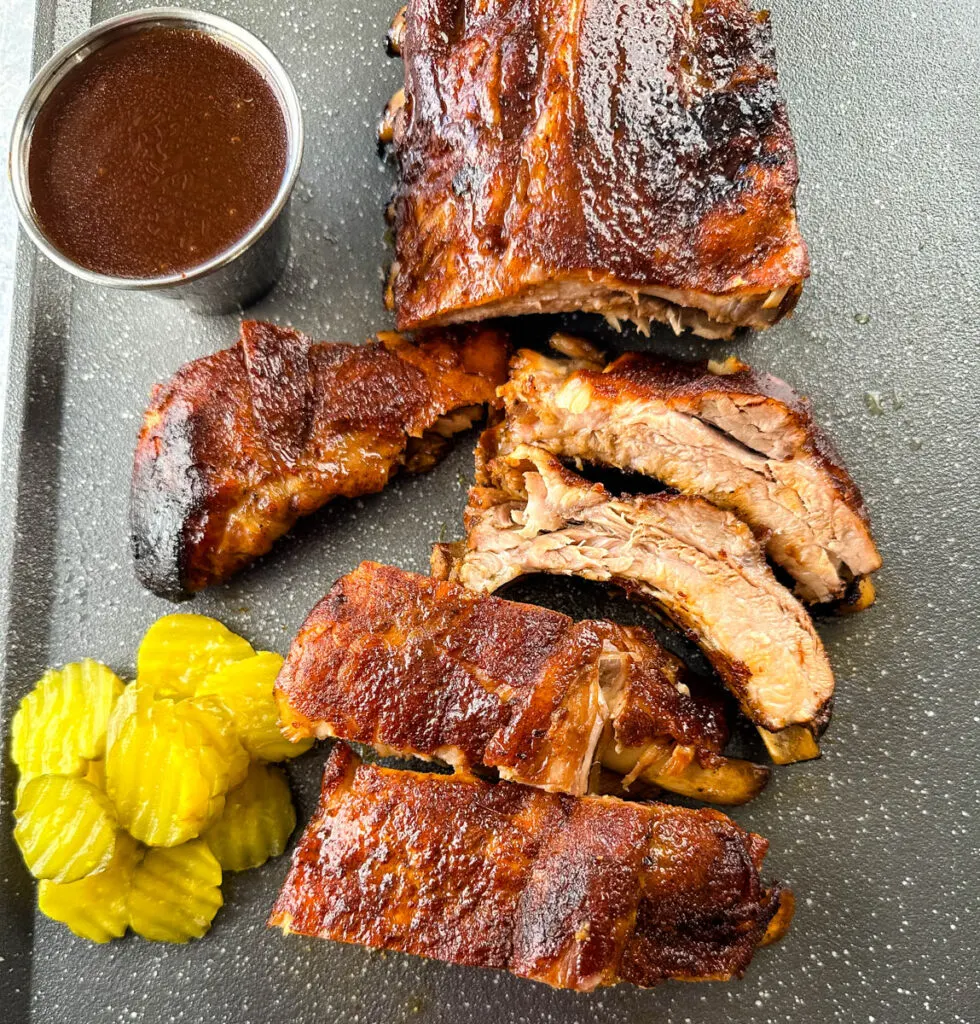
[628,159]
[743,440]
[697,564]
[414,666]
[575,892]
[238,445]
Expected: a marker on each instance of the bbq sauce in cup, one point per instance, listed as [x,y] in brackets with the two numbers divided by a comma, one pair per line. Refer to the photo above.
[157,153]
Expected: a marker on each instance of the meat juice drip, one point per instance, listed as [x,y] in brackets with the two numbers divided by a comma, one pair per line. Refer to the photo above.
[157,153]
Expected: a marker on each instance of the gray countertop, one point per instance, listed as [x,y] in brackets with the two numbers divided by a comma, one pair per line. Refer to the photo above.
[16,34]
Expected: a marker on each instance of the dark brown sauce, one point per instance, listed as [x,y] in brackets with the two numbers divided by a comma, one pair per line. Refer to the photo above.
[157,153]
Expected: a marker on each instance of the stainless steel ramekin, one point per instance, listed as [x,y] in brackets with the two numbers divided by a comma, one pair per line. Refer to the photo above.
[241,274]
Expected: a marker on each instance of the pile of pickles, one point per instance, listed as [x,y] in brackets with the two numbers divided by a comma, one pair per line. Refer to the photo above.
[133,799]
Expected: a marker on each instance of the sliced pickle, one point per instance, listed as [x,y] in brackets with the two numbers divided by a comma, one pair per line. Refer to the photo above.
[257,821]
[66,828]
[164,772]
[61,723]
[208,716]
[245,688]
[175,893]
[95,907]
[179,650]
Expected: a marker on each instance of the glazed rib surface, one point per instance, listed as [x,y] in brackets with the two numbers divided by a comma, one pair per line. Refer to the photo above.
[699,565]
[743,440]
[573,892]
[238,445]
[627,158]
[417,666]
[414,666]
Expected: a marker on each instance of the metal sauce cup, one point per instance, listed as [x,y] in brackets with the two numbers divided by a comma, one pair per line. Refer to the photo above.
[241,274]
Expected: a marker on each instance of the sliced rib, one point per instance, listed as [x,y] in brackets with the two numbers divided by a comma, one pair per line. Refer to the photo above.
[238,445]
[573,892]
[632,160]
[743,440]
[413,666]
[699,565]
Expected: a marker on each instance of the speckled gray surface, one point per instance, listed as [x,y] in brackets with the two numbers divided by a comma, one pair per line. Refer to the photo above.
[879,838]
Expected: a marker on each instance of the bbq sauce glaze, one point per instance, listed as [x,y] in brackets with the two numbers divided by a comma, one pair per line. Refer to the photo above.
[155,154]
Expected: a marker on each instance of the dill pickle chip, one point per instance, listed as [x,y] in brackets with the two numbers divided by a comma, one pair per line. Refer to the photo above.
[257,821]
[179,650]
[163,773]
[246,689]
[224,748]
[61,723]
[96,907]
[66,828]
[175,893]
[90,775]
[137,698]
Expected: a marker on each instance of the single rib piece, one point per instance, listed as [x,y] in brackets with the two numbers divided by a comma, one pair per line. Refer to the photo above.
[417,667]
[745,441]
[240,444]
[631,159]
[574,892]
[699,565]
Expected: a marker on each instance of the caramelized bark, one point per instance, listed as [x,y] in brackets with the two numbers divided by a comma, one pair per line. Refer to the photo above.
[573,892]
[629,159]
[238,445]
[417,667]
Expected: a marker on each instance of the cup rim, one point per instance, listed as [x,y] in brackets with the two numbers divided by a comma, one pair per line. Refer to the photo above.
[249,46]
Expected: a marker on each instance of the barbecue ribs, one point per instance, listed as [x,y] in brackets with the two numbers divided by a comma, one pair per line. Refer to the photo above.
[238,445]
[573,892]
[415,666]
[744,440]
[699,565]
[631,159]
